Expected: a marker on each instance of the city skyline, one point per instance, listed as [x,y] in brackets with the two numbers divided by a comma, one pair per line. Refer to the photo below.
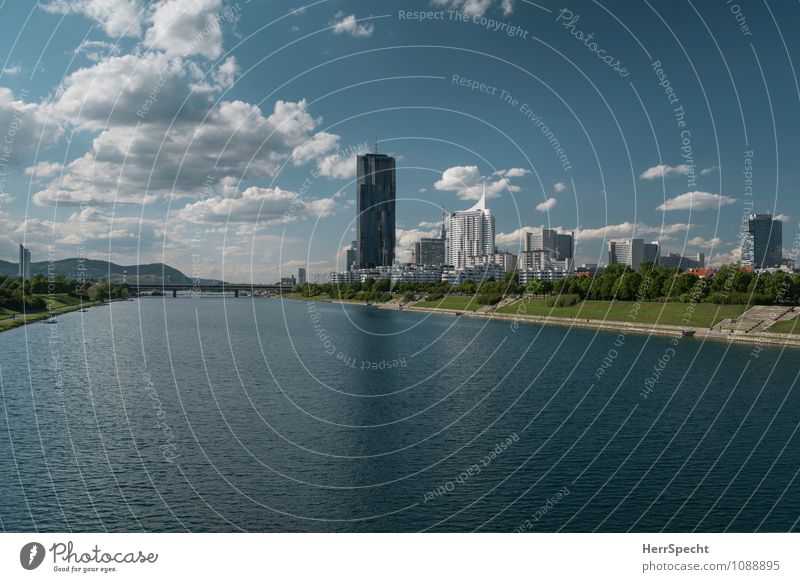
[259,185]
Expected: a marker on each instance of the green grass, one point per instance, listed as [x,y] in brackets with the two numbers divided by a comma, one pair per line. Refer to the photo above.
[704,315]
[456,302]
[789,326]
[57,304]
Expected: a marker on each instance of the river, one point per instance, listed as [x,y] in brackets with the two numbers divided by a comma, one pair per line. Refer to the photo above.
[255,414]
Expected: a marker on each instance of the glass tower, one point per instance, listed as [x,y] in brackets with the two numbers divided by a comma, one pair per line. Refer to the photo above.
[375,224]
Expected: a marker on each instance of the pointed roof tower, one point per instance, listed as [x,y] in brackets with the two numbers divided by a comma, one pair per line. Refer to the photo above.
[481,204]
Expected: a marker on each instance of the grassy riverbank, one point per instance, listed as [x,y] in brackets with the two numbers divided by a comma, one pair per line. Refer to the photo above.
[57,304]
[792,326]
[701,315]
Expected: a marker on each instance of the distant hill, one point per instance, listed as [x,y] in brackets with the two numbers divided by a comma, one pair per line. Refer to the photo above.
[91,269]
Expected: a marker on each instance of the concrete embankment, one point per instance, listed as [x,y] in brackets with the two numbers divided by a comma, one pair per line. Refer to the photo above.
[762,338]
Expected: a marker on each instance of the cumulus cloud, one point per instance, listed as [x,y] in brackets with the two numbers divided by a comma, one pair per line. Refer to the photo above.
[783,217]
[468,184]
[349,25]
[126,90]
[560,187]
[262,205]
[186,28]
[664,171]
[696,201]
[23,125]
[115,17]
[97,50]
[707,171]
[131,165]
[546,205]
[627,230]
[476,7]
[45,170]
[699,241]
[12,71]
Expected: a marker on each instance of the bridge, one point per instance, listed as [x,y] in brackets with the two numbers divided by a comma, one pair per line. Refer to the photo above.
[137,288]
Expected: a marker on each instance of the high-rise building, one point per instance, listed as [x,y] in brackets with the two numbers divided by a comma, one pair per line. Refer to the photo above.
[352,256]
[761,242]
[471,234]
[632,252]
[682,262]
[375,223]
[301,276]
[561,247]
[429,252]
[24,262]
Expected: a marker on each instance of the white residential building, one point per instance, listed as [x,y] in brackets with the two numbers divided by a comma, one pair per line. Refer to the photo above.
[471,234]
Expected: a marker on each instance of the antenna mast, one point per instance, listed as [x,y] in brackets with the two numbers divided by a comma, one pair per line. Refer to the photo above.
[376,145]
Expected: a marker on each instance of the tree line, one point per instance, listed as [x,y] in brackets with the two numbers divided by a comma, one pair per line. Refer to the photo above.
[31,296]
[729,285]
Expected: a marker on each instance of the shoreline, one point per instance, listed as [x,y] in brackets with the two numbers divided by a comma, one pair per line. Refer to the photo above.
[22,319]
[665,330]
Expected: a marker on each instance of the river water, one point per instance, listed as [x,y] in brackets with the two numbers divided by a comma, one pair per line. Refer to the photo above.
[253,414]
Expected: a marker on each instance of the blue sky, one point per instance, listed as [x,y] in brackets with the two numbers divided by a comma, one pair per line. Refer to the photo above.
[219,137]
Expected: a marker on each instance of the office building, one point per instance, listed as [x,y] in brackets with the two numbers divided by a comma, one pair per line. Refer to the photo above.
[301,276]
[505,260]
[352,256]
[632,252]
[24,262]
[528,275]
[682,262]
[475,274]
[429,252]
[471,234]
[761,242]
[560,246]
[375,223]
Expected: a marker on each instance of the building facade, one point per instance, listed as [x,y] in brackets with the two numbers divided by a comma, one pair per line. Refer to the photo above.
[471,234]
[683,262]
[761,242]
[429,252]
[632,252]
[560,246]
[375,223]
[301,276]
[24,262]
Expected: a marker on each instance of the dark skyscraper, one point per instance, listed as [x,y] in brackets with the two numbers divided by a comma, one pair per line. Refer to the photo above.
[375,223]
[762,242]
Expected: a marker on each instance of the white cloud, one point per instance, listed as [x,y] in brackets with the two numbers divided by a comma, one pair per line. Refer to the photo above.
[512,173]
[45,169]
[131,89]
[97,50]
[12,71]
[348,25]
[476,7]
[316,147]
[546,205]
[185,28]
[115,17]
[696,201]
[664,171]
[627,230]
[783,217]
[264,205]
[707,171]
[468,184]
[405,238]
[699,241]
[126,163]
[23,124]
[560,187]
